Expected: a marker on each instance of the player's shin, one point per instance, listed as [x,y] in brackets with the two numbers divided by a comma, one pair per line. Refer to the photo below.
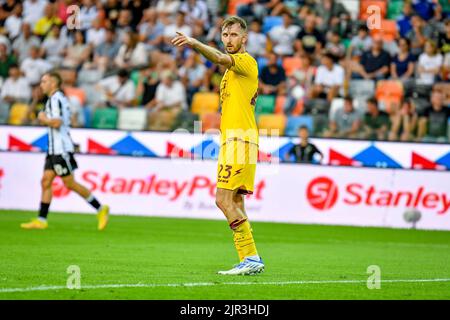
[243,240]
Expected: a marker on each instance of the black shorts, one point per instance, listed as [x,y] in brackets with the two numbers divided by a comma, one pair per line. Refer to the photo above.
[63,165]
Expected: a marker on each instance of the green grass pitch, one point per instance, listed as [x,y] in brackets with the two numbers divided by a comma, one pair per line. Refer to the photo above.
[162,258]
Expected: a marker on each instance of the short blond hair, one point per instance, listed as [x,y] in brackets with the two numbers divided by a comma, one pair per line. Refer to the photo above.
[235,20]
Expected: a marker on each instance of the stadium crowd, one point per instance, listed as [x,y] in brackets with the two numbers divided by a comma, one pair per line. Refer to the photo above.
[323,64]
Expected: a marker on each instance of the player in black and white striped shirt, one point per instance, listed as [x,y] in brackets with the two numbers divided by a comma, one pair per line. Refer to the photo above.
[60,160]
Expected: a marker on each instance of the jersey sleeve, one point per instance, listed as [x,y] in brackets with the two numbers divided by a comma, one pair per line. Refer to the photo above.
[244,65]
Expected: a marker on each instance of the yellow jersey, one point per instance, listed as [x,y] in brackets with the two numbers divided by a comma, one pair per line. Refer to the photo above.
[238,93]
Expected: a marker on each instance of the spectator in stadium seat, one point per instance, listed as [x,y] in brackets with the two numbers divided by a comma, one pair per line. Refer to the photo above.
[424,8]
[170,7]
[192,75]
[54,46]
[215,32]
[444,38]
[404,122]
[446,67]
[374,64]
[429,64]
[13,23]
[404,21]
[6,61]
[376,122]
[148,81]
[418,34]
[360,43]
[22,45]
[46,23]
[305,151]
[170,31]
[33,10]
[105,53]
[433,123]
[309,39]
[34,67]
[6,10]
[132,52]
[88,13]
[334,46]
[170,100]
[345,122]
[196,13]
[151,30]
[272,77]
[328,13]
[402,65]
[117,91]
[329,79]
[77,53]
[283,36]
[123,25]
[257,41]
[15,88]
[96,35]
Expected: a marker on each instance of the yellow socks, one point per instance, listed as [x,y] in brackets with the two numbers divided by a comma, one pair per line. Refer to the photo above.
[243,240]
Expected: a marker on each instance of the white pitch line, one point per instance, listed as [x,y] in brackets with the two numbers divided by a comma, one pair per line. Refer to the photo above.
[209,284]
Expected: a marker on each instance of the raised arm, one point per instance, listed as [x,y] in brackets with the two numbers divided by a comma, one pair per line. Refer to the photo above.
[210,53]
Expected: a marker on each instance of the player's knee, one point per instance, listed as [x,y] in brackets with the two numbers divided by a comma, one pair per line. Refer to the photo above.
[46,183]
[224,204]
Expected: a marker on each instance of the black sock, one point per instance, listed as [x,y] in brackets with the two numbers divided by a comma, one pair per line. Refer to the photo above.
[93,202]
[43,210]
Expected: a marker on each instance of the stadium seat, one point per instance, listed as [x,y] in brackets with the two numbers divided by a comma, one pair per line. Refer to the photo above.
[389,88]
[89,76]
[77,93]
[364,5]
[394,9]
[132,119]
[293,123]
[265,104]
[321,122]
[270,22]
[336,104]
[205,102]
[388,31]
[233,4]
[279,104]
[267,123]
[299,108]
[389,103]
[291,64]
[105,118]
[18,114]
[363,88]
[185,120]
[262,62]
[210,121]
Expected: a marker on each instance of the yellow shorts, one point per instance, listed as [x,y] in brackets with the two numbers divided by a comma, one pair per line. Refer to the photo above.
[237,166]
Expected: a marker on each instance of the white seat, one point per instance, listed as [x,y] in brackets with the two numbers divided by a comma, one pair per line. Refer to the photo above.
[132,119]
[336,104]
[362,88]
[352,6]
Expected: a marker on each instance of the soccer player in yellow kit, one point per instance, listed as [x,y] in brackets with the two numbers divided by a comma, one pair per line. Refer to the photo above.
[239,136]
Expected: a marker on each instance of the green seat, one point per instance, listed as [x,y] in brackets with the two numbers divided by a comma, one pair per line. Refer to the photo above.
[265,104]
[346,42]
[394,9]
[105,118]
[134,76]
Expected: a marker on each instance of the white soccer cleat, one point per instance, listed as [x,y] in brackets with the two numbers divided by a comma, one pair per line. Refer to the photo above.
[246,267]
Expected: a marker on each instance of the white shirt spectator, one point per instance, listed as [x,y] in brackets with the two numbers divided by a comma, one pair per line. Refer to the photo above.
[136,57]
[13,24]
[170,31]
[199,11]
[34,69]
[256,44]
[95,36]
[87,15]
[22,46]
[193,74]
[19,89]
[284,38]
[171,95]
[54,49]
[122,92]
[333,77]
[428,62]
[33,10]
[168,6]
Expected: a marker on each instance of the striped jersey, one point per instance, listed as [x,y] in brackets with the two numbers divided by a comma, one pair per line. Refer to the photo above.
[59,140]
